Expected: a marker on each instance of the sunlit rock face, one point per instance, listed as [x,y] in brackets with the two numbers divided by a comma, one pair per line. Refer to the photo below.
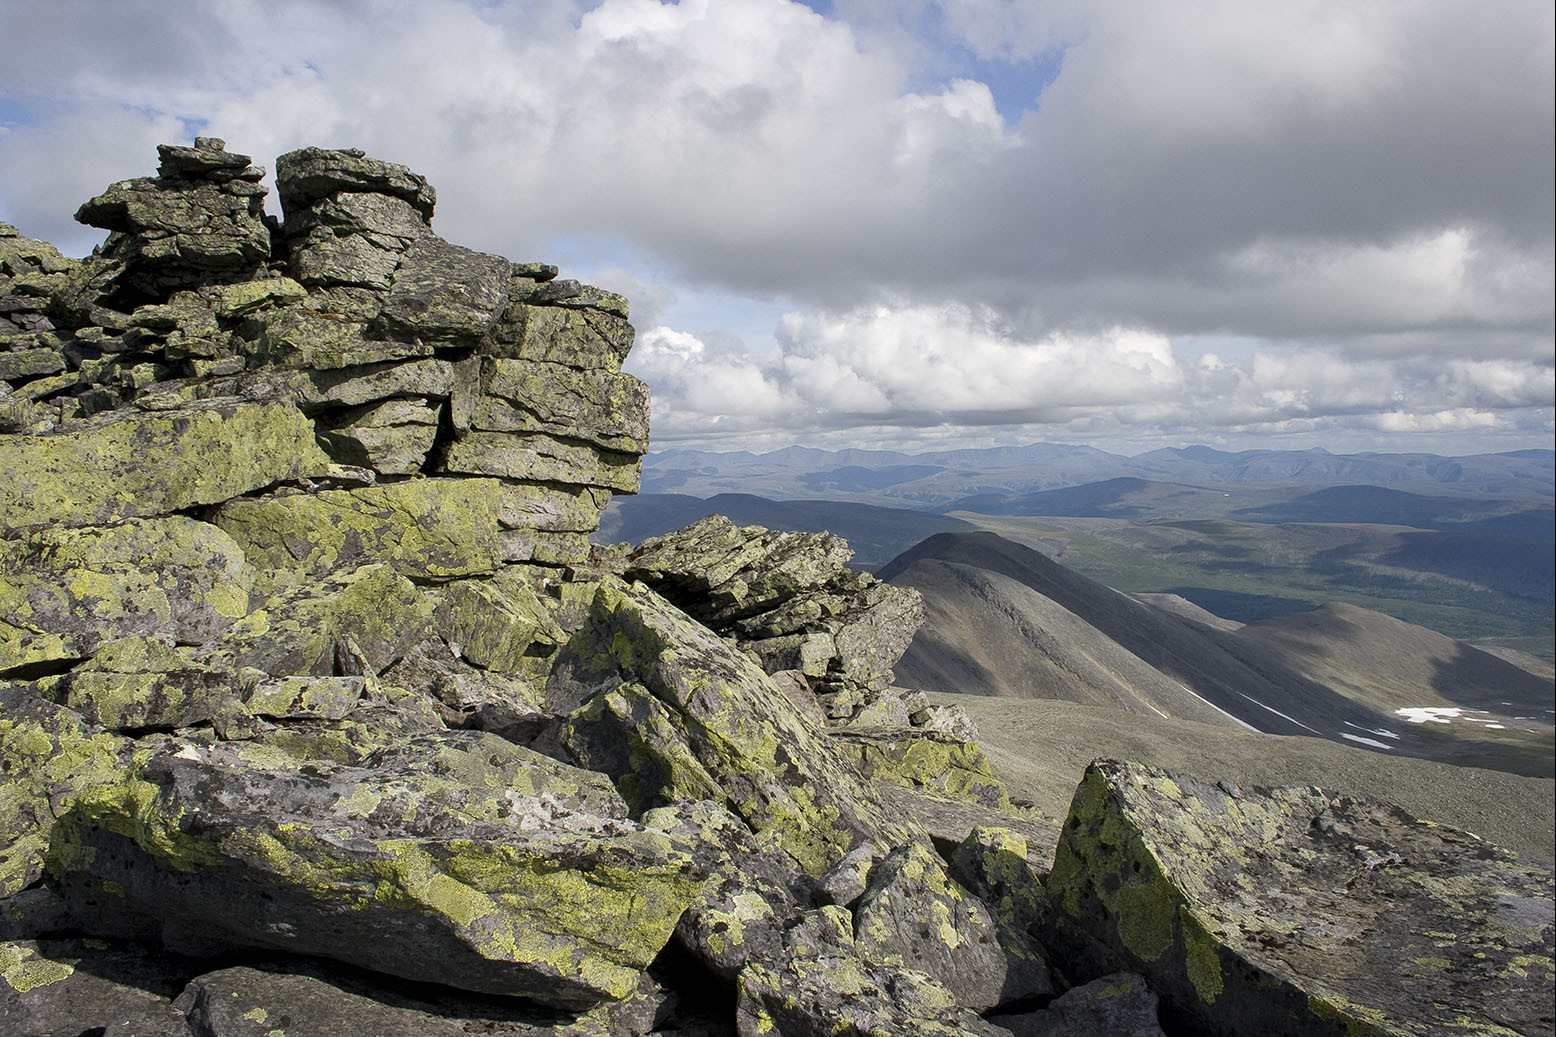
[1298,911]
[319,713]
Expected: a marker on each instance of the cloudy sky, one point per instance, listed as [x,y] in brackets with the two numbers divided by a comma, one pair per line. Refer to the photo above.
[923,223]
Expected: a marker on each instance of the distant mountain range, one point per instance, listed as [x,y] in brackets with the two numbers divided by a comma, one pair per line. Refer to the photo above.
[943,480]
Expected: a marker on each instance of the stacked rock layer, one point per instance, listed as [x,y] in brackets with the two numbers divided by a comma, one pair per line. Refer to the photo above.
[319,714]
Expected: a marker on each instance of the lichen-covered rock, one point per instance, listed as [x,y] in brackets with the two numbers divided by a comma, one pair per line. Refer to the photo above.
[457,859]
[785,596]
[201,220]
[607,409]
[48,754]
[584,338]
[311,175]
[499,624]
[706,713]
[129,464]
[425,529]
[466,696]
[391,438]
[911,758]
[912,914]
[139,683]
[823,987]
[994,864]
[74,986]
[445,294]
[299,998]
[1293,911]
[543,458]
[749,899]
[364,618]
[65,591]
[550,507]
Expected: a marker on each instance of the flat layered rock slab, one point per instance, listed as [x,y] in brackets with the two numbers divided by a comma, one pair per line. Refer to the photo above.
[133,464]
[432,863]
[424,529]
[1295,911]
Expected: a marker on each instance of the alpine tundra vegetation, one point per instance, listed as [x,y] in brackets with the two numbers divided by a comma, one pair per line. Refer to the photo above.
[321,715]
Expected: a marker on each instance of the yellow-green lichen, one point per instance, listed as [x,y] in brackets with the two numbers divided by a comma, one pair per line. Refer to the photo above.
[1200,958]
[25,970]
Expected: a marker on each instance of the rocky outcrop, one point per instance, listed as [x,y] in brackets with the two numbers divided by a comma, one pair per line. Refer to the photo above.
[1293,911]
[319,714]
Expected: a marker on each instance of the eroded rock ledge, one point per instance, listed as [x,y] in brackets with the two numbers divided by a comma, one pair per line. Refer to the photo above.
[319,714]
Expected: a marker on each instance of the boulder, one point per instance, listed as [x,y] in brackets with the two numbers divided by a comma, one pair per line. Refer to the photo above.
[915,916]
[607,409]
[391,438]
[453,858]
[300,998]
[701,720]
[75,986]
[354,621]
[65,591]
[1119,1005]
[915,759]
[788,597]
[539,457]
[311,175]
[580,337]
[1295,911]
[137,684]
[132,464]
[823,987]
[444,294]
[425,529]
[751,893]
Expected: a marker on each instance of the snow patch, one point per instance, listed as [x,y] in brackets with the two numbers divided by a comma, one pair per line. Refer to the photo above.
[1381,732]
[1448,714]
[1366,741]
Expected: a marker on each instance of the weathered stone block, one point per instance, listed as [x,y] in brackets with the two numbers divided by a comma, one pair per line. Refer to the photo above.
[47,754]
[456,859]
[601,407]
[789,784]
[137,683]
[540,458]
[445,293]
[310,174]
[391,438]
[915,916]
[427,529]
[366,617]
[1293,911]
[587,339]
[552,507]
[65,591]
[128,464]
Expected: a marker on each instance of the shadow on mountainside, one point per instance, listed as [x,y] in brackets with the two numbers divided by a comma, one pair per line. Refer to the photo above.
[1256,679]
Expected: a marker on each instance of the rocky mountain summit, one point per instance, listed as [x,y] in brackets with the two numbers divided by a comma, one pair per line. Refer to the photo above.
[319,714]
